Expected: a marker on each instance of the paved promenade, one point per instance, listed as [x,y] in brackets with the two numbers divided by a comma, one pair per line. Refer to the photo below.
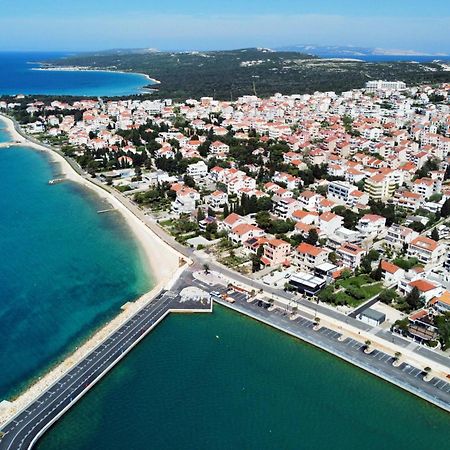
[25,429]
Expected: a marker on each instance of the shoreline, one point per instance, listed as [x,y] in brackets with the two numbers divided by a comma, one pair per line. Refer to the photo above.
[161,260]
[92,69]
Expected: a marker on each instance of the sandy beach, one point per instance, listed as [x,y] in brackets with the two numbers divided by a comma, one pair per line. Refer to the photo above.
[162,260]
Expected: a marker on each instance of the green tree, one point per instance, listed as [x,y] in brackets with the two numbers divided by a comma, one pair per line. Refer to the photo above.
[313,237]
[413,299]
[435,234]
[443,325]
[263,220]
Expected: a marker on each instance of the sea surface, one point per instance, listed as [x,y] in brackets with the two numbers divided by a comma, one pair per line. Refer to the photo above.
[64,269]
[225,382]
[17,77]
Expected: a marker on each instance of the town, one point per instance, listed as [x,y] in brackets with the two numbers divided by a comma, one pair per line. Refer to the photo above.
[340,198]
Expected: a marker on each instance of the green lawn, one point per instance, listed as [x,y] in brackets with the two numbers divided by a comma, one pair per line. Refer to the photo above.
[355,292]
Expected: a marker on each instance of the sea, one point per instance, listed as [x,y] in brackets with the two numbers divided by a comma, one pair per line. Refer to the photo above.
[223,381]
[64,269]
[18,77]
[216,381]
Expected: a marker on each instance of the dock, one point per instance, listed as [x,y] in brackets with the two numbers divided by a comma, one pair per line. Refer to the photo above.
[56,180]
[103,211]
[23,431]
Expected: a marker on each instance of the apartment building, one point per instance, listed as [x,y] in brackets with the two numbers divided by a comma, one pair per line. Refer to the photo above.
[351,255]
[427,251]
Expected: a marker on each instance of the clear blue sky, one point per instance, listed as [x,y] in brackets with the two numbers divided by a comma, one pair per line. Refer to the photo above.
[212,24]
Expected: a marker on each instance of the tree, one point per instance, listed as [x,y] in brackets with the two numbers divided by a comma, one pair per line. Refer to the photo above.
[445,210]
[206,268]
[435,234]
[263,220]
[313,237]
[387,296]
[333,257]
[200,215]
[377,274]
[413,299]
[442,323]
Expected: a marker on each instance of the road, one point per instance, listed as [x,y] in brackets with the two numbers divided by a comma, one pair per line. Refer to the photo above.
[23,431]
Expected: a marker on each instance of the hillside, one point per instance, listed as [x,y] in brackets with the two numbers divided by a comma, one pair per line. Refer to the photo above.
[229,74]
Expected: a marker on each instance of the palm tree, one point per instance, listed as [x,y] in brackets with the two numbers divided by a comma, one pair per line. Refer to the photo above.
[368,343]
[397,356]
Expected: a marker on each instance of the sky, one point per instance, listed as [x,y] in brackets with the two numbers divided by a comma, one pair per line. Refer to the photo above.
[211,25]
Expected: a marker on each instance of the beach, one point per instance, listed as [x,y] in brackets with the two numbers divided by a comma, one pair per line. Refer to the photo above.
[162,262]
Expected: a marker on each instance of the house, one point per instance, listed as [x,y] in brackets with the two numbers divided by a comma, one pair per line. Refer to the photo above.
[350,255]
[243,232]
[340,191]
[390,273]
[308,256]
[305,217]
[442,302]
[330,222]
[308,200]
[217,200]
[185,201]
[421,326]
[197,170]
[218,148]
[276,251]
[427,289]
[231,221]
[379,186]
[371,225]
[398,236]
[427,251]
[284,207]
[307,283]
[423,187]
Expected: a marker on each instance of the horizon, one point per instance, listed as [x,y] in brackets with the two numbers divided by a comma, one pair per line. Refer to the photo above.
[297,48]
[202,26]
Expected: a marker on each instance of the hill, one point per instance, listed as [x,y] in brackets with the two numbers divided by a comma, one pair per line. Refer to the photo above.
[229,74]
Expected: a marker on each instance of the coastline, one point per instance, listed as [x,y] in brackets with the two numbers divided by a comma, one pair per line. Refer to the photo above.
[161,260]
[92,69]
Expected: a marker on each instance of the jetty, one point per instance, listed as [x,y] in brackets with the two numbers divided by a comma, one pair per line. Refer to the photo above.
[23,431]
[103,211]
[9,144]
[57,180]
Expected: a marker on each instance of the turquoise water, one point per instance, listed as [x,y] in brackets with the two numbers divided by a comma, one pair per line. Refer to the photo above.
[16,77]
[253,388]
[64,269]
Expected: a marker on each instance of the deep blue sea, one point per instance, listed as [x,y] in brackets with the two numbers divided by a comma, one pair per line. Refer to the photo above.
[17,77]
[64,268]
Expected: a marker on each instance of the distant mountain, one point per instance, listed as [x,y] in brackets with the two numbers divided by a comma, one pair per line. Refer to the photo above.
[351,51]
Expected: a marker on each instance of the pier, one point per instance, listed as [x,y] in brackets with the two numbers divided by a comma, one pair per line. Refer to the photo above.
[24,430]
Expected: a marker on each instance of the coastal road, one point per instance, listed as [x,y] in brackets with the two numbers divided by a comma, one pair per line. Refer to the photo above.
[23,431]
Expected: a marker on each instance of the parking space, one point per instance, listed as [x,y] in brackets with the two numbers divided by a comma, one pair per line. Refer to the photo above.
[329,333]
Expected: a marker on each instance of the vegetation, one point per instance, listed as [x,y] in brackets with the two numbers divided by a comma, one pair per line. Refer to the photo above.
[229,74]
